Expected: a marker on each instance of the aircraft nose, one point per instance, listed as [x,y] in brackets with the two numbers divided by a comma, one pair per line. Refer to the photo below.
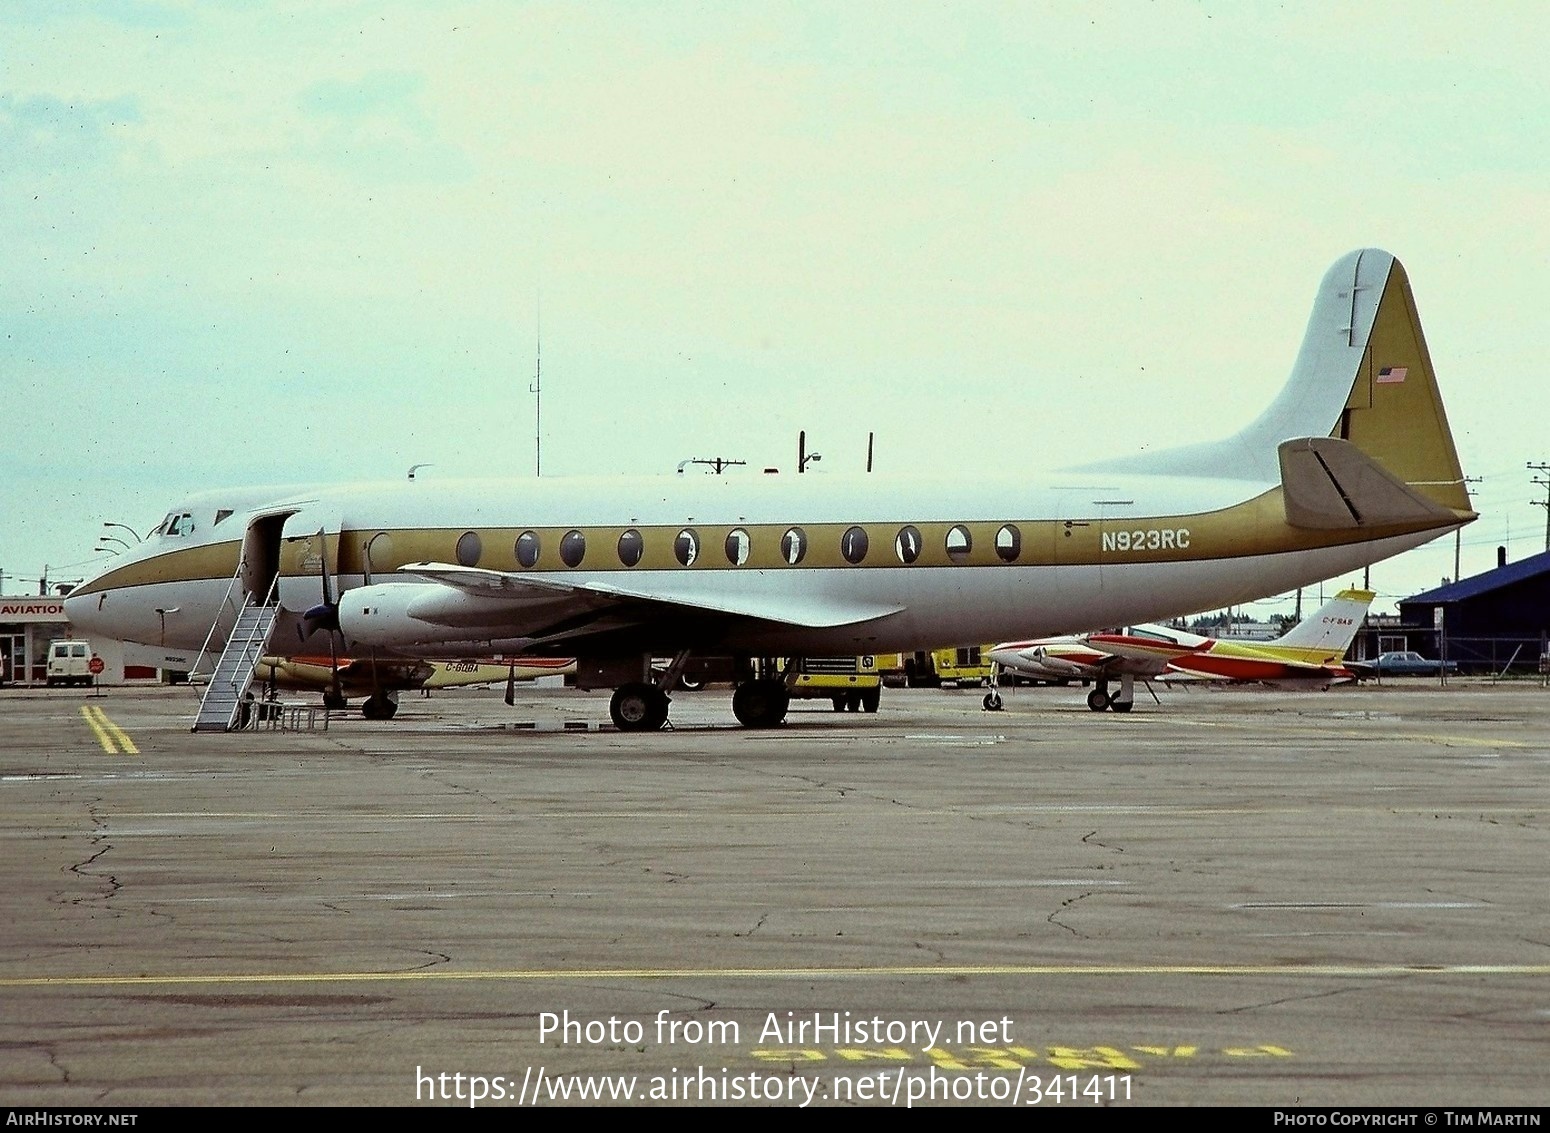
[81,610]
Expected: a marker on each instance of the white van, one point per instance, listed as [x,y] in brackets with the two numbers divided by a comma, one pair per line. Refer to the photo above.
[69,663]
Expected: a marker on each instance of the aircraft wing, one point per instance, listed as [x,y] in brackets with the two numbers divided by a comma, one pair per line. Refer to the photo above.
[1060,659]
[1139,656]
[546,613]
[815,612]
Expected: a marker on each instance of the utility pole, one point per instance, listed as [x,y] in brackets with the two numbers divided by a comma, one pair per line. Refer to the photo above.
[717,464]
[1458,532]
[1544,503]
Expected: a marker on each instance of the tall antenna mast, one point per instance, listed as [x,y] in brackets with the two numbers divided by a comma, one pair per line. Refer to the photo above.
[537,389]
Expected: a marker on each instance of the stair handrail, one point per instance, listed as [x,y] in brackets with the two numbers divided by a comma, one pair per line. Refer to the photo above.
[220,610]
[254,634]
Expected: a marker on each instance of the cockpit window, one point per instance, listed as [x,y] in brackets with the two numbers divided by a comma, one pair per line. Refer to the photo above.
[178,523]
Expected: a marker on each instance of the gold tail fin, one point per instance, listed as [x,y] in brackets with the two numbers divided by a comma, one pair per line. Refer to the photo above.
[1394,413]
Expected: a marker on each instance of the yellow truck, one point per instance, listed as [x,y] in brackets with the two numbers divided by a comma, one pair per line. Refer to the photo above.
[850,683]
[965,667]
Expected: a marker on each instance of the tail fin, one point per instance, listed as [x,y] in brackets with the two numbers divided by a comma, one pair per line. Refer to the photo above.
[1363,375]
[1334,626]
[1394,413]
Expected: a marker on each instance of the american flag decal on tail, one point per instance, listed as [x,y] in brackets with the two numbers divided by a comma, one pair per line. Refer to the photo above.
[1392,374]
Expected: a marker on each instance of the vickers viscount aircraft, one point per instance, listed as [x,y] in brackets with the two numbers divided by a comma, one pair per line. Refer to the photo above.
[1353,462]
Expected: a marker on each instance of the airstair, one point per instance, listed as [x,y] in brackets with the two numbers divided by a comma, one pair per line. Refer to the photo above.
[221,706]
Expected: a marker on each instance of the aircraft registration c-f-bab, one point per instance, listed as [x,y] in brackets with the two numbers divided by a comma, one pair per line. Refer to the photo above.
[1352,463]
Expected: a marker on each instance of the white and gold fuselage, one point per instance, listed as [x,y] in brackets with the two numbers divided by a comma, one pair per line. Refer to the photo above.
[1044,560]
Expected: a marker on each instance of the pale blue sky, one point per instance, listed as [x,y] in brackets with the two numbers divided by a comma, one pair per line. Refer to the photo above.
[251,242]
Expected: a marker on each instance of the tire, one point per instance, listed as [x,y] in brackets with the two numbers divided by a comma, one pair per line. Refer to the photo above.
[638,707]
[760,703]
[378,708]
[991,703]
[1097,700]
[870,699]
[1121,705]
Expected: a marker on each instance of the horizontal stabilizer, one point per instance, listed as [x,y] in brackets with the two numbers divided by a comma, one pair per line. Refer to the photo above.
[1328,484]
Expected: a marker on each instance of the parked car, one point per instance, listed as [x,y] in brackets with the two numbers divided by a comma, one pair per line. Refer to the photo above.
[1401,664]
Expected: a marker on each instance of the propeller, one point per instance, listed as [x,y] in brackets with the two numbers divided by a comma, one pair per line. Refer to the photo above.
[511,686]
[325,616]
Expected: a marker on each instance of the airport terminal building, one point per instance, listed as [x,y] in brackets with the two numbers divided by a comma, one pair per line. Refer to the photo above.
[29,624]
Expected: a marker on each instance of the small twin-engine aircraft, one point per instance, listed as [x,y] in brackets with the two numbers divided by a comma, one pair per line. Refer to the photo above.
[1353,462]
[1311,655]
[380,680]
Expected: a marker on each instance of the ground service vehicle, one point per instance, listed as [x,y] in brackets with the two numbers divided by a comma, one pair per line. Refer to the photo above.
[850,683]
[965,667]
[69,663]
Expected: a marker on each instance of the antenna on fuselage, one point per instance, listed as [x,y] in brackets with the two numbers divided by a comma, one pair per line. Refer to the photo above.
[536,388]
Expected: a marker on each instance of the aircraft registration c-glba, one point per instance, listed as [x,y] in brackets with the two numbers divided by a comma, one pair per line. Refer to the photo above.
[1352,462]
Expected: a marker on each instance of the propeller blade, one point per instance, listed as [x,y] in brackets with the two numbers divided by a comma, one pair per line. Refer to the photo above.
[511,686]
[325,615]
[322,616]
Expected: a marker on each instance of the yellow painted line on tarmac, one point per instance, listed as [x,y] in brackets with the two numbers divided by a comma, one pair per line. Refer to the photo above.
[109,735]
[1325,971]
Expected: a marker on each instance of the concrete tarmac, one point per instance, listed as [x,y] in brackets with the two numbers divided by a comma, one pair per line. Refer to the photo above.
[1234,897]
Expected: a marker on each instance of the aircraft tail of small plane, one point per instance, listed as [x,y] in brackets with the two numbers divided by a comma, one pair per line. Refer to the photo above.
[1358,431]
[1333,627]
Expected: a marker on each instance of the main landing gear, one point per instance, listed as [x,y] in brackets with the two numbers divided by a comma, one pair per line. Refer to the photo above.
[1122,701]
[642,704]
[380,706]
[761,703]
[639,707]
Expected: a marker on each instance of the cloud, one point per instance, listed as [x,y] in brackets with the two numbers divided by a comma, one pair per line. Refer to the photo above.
[53,135]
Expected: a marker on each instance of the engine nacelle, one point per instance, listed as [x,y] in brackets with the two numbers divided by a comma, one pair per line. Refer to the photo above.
[401,614]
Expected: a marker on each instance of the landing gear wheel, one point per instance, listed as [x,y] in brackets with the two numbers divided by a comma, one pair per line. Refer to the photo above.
[761,703]
[1098,699]
[335,702]
[638,707]
[992,702]
[378,708]
[690,684]
[1121,705]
